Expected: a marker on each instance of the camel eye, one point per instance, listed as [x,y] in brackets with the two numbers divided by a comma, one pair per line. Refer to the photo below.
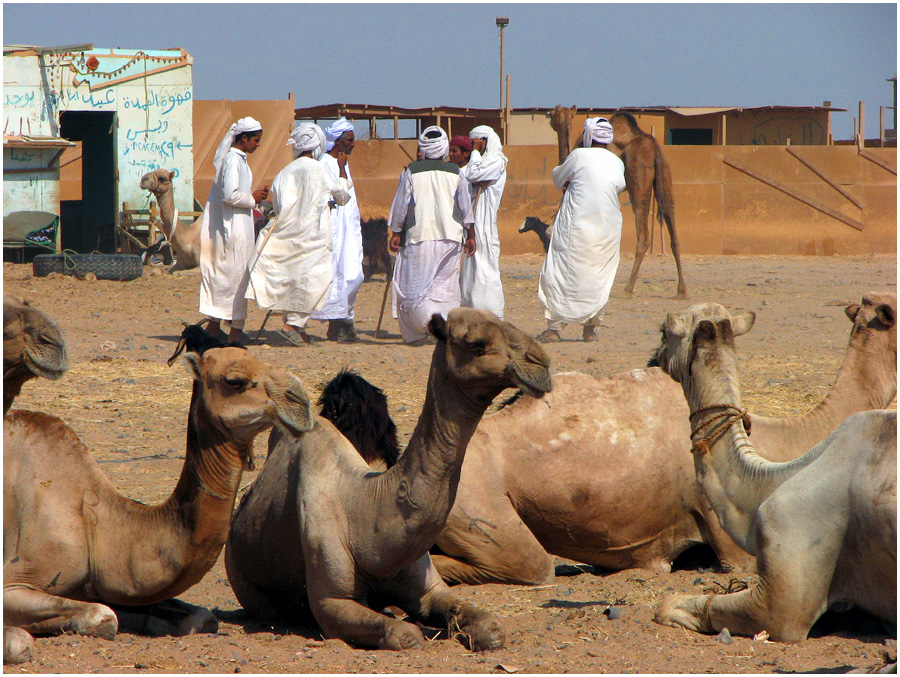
[477,347]
[237,383]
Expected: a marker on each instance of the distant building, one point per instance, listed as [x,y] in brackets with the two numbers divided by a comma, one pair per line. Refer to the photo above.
[127,111]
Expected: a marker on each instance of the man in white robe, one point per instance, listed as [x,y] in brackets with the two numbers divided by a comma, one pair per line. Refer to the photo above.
[583,257]
[292,269]
[347,248]
[226,234]
[433,211]
[479,282]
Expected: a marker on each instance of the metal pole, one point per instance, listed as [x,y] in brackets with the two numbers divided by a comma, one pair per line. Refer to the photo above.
[502,82]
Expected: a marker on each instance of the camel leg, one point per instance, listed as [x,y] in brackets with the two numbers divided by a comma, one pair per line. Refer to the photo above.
[682,292]
[40,613]
[172,617]
[350,620]
[640,204]
[17,644]
[420,592]
[499,550]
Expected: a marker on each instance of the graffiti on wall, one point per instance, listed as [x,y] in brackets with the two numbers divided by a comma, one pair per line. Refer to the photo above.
[777,131]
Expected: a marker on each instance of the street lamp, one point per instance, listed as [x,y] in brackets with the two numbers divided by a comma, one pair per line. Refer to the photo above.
[502,22]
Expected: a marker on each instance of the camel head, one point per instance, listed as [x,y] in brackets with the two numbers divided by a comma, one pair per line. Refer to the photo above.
[33,345]
[696,334]
[241,395]
[625,128]
[561,119]
[485,354]
[876,316]
[158,182]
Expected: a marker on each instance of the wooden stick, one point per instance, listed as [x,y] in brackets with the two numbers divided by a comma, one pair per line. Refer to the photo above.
[263,325]
[387,284]
[822,176]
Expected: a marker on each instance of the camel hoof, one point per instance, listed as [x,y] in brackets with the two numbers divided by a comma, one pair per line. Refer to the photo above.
[672,611]
[400,636]
[481,631]
[682,295]
[628,293]
[17,644]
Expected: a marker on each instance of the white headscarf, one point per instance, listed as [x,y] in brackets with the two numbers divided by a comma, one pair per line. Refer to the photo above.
[305,137]
[493,145]
[243,125]
[436,148]
[597,129]
[334,132]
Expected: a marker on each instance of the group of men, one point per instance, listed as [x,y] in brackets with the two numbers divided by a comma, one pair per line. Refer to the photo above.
[306,262]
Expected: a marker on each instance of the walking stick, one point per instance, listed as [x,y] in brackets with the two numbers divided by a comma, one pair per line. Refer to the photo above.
[387,284]
[255,261]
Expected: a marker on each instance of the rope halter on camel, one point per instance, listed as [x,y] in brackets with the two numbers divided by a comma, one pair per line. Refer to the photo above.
[724,420]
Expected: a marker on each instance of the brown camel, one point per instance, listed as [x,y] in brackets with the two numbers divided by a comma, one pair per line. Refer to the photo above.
[598,470]
[33,346]
[823,526]
[561,122]
[320,530]
[646,174]
[73,546]
[184,238]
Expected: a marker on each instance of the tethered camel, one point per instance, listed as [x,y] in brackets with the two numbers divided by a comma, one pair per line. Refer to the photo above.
[646,173]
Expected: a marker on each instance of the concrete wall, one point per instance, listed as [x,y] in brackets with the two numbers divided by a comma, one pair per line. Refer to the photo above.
[719,209]
[25,190]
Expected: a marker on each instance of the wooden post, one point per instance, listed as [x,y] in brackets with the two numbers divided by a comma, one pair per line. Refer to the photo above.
[506,125]
[724,119]
[396,127]
[881,126]
[862,124]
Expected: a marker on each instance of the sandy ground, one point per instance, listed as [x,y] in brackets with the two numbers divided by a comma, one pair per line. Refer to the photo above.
[130,409]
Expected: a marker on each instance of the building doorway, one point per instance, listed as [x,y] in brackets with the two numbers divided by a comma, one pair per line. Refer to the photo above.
[88,224]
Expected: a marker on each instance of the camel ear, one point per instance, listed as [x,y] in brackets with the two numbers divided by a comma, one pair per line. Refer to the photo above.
[886,314]
[742,321]
[851,311]
[172,174]
[192,364]
[675,325]
[437,325]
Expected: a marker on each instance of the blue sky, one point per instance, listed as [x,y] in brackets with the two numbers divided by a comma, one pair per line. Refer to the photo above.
[422,54]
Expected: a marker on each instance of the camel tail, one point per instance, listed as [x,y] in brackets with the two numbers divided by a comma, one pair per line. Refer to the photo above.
[360,412]
[662,190]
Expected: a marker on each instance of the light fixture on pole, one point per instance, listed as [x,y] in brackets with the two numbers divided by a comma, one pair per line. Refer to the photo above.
[502,22]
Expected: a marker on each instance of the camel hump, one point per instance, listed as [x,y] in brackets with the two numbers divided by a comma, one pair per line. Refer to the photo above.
[359,410]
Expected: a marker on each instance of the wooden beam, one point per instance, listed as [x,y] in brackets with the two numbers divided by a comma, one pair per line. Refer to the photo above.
[778,185]
[822,176]
[878,161]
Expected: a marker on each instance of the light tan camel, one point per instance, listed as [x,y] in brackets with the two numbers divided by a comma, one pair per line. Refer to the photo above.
[561,123]
[598,470]
[73,546]
[823,526]
[184,238]
[646,174]
[33,346]
[320,530]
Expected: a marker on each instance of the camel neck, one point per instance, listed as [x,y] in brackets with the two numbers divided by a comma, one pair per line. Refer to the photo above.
[166,203]
[734,477]
[430,466]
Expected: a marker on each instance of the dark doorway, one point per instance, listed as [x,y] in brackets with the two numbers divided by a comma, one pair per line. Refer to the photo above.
[690,137]
[88,224]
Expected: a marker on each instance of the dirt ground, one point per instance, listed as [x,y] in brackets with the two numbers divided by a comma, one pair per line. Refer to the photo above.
[130,409]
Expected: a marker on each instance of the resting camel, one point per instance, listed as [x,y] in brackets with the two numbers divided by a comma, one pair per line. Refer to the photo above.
[33,346]
[73,546]
[184,238]
[646,174]
[823,527]
[598,471]
[320,530]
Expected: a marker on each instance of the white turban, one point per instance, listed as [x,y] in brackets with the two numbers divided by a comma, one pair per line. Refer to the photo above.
[243,125]
[434,148]
[307,137]
[597,129]
[493,145]
[334,132]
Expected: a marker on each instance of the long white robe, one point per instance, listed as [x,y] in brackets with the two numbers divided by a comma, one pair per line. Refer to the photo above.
[479,281]
[581,262]
[347,253]
[292,271]
[226,240]
[426,274]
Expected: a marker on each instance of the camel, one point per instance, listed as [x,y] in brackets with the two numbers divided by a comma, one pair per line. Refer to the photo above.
[561,122]
[823,527]
[319,530]
[646,174]
[543,230]
[184,238]
[78,555]
[376,258]
[33,346]
[597,471]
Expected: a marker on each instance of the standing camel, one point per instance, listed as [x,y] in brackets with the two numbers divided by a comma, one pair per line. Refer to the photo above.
[561,122]
[73,546]
[646,174]
[184,238]
[320,530]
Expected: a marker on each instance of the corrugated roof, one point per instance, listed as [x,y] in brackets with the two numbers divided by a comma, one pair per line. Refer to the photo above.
[35,141]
